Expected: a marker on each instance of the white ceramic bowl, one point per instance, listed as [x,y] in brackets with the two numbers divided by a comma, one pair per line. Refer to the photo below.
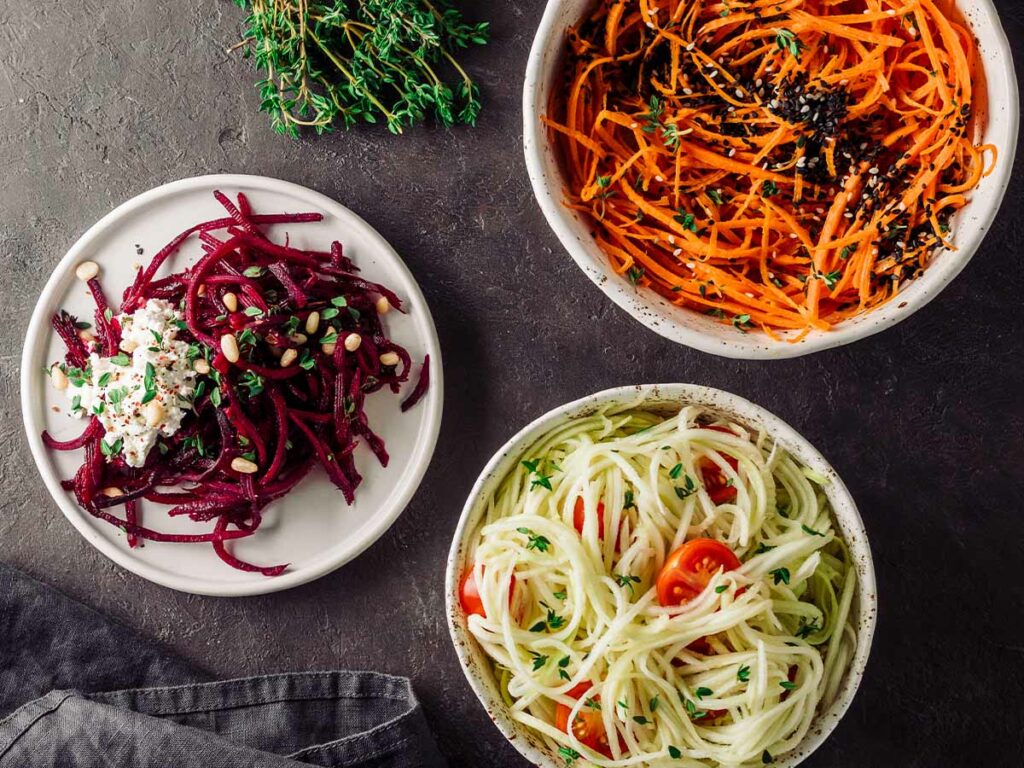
[694,329]
[668,397]
[311,528]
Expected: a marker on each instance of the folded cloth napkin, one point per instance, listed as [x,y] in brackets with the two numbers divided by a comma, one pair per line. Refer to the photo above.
[100,695]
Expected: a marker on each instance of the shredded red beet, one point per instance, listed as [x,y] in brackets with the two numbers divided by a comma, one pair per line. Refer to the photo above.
[293,399]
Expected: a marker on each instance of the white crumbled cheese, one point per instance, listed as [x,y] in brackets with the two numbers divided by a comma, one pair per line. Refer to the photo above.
[119,388]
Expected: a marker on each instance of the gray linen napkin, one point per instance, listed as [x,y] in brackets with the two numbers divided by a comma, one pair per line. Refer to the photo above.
[80,691]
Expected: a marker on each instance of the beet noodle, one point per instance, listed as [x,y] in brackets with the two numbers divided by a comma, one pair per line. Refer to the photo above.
[284,414]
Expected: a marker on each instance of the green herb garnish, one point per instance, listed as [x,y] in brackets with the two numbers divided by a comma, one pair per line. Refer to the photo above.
[540,543]
[329,64]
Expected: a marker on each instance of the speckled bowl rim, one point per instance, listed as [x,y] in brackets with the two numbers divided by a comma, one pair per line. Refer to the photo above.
[669,396]
[693,329]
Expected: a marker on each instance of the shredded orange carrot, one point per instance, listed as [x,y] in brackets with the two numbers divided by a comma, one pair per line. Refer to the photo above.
[778,164]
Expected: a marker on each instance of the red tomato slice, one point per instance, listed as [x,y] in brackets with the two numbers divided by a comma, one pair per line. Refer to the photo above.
[791,676]
[589,724]
[577,691]
[701,646]
[714,479]
[718,428]
[469,594]
[689,569]
[579,517]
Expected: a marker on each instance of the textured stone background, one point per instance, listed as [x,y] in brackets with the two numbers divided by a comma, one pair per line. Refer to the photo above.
[103,99]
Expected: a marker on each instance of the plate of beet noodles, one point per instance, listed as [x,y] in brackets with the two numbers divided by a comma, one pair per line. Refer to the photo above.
[316,387]
[782,169]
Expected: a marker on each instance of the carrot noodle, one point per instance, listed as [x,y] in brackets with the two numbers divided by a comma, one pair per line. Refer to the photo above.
[786,165]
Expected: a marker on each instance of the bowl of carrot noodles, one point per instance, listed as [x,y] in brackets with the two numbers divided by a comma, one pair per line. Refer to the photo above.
[762,179]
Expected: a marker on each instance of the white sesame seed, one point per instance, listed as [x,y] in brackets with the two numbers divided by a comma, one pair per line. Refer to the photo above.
[87,270]
[243,466]
[312,322]
[229,348]
[153,413]
[58,378]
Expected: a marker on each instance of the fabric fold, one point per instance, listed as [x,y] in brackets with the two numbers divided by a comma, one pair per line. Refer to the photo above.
[101,695]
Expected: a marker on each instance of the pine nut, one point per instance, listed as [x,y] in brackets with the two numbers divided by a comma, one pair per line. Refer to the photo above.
[201,290]
[328,349]
[153,412]
[229,348]
[87,270]
[112,492]
[58,378]
[288,357]
[383,305]
[244,466]
[298,338]
[352,342]
[230,301]
[86,336]
[128,345]
[312,322]
[201,367]
[389,359]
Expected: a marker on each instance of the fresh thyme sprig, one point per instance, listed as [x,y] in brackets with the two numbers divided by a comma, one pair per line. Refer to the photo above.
[339,62]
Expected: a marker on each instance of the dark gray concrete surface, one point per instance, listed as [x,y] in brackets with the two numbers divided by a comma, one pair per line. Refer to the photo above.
[103,99]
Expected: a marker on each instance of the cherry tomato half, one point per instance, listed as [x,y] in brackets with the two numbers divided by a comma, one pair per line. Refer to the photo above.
[714,479]
[469,594]
[689,569]
[588,726]
[579,516]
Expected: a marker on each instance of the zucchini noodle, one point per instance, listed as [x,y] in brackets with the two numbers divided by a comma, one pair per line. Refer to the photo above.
[733,676]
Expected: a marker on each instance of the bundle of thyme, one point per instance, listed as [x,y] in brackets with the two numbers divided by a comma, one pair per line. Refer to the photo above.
[343,61]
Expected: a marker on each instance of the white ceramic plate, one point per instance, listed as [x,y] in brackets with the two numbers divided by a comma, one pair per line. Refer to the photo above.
[311,528]
[668,397]
[694,329]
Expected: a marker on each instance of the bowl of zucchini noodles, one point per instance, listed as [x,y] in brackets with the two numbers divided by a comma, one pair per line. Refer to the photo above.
[661,575]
